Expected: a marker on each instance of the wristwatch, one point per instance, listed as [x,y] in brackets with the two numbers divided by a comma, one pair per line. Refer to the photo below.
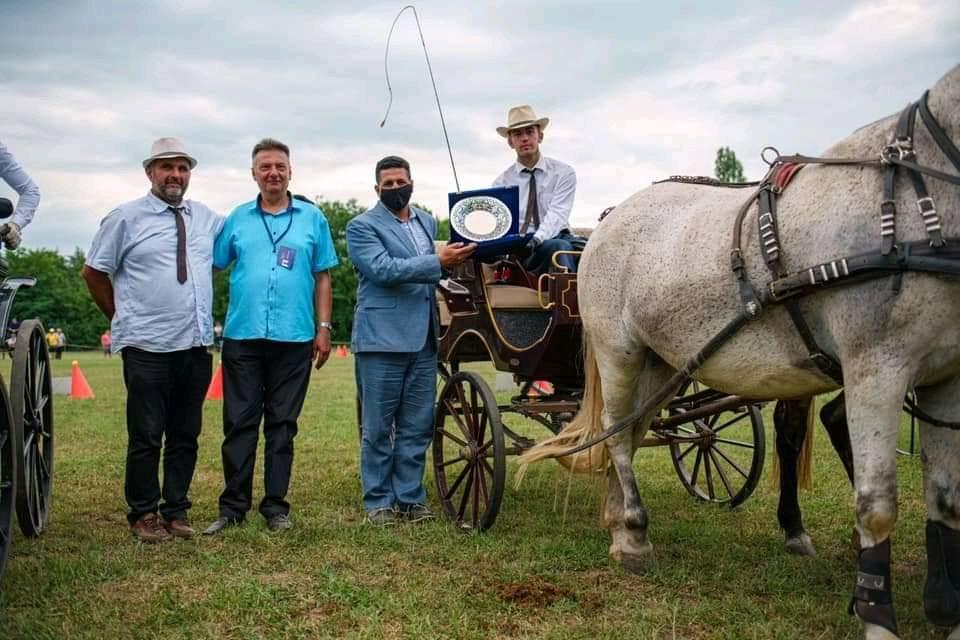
[325,325]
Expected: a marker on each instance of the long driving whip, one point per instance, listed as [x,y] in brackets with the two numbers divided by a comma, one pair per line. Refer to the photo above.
[386,71]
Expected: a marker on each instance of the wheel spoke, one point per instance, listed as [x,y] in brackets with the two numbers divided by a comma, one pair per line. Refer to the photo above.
[484,493]
[696,467]
[28,439]
[42,403]
[720,472]
[486,465]
[456,418]
[456,483]
[481,432]
[453,437]
[464,499]
[476,496]
[687,451]
[729,423]
[44,468]
[732,463]
[454,461]
[708,475]
[736,443]
[467,411]
[477,412]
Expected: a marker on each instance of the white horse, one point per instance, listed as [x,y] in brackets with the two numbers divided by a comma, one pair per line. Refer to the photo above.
[655,284]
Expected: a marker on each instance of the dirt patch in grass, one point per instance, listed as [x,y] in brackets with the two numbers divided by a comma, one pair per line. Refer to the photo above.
[534,593]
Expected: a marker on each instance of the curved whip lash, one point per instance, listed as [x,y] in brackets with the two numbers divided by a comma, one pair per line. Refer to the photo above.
[386,71]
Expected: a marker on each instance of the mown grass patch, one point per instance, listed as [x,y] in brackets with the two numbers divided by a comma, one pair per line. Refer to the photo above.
[541,572]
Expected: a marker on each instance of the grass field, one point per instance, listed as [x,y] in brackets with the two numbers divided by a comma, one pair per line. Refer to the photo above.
[539,573]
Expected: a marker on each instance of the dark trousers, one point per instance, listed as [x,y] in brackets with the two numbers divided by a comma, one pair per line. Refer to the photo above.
[262,379]
[165,394]
[540,260]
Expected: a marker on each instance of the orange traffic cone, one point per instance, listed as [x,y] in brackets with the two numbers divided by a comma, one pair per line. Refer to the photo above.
[79,387]
[341,351]
[215,390]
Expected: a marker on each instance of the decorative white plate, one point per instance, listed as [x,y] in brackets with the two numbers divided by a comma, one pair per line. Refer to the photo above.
[481,218]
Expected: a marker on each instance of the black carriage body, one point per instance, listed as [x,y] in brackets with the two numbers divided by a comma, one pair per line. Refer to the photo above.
[497,313]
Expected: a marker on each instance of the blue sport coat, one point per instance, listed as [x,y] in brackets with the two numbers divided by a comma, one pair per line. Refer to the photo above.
[396,293]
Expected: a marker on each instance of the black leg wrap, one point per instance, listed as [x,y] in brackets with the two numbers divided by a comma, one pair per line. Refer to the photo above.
[873,594]
[941,593]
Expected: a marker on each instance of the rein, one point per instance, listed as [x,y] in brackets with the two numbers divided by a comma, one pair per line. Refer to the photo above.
[935,256]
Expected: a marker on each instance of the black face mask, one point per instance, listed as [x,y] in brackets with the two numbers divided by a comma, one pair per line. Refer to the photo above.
[396,199]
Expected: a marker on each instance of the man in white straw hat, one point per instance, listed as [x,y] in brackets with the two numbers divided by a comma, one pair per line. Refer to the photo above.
[150,270]
[547,189]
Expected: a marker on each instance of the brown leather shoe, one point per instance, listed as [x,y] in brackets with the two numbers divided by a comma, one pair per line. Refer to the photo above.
[148,530]
[178,528]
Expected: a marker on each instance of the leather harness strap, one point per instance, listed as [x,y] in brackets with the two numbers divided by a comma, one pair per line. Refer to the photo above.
[770,248]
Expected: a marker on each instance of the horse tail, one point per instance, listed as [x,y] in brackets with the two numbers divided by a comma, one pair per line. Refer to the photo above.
[586,424]
[805,460]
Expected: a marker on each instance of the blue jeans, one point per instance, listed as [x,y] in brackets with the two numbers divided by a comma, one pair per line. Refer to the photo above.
[397,395]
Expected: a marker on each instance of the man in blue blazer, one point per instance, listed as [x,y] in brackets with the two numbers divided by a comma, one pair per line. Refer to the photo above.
[395,331]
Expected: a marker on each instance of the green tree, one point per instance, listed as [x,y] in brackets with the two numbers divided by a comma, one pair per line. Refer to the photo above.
[59,298]
[727,168]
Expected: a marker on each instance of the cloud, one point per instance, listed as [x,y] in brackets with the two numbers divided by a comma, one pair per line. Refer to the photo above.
[635,91]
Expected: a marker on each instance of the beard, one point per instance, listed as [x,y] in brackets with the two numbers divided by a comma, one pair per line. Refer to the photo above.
[171,192]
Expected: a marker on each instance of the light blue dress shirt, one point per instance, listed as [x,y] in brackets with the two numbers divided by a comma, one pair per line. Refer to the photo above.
[137,245]
[414,229]
[275,257]
[29,194]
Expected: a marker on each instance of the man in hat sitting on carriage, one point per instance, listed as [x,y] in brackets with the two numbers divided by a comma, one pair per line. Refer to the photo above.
[547,189]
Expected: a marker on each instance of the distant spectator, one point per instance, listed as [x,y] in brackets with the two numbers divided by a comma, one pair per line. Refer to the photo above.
[52,340]
[105,342]
[61,343]
[217,336]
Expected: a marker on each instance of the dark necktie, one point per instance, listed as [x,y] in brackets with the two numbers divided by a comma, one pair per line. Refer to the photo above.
[533,208]
[181,244]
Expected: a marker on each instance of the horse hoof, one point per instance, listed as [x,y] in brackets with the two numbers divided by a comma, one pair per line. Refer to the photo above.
[876,632]
[639,565]
[800,545]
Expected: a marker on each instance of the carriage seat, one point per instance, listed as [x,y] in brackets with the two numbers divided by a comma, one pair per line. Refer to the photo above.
[499,296]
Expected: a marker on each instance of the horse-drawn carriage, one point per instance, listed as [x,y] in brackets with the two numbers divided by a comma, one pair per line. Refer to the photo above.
[530,327]
[26,420]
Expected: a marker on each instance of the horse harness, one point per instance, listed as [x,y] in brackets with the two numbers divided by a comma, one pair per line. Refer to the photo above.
[935,255]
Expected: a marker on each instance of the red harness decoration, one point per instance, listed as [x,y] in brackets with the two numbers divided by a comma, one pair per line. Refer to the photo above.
[784,174]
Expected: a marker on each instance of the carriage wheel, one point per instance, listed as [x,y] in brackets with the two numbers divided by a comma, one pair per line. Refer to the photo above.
[8,475]
[724,461]
[32,410]
[469,459]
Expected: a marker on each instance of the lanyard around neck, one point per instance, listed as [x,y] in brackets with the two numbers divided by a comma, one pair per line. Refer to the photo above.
[263,219]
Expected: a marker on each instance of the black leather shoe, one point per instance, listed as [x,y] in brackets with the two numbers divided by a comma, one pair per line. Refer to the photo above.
[220,524]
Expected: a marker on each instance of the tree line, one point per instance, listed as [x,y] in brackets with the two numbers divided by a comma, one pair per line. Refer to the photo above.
[60,298]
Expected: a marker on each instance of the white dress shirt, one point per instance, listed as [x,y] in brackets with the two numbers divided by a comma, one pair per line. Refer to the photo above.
[556,188]
[14,175]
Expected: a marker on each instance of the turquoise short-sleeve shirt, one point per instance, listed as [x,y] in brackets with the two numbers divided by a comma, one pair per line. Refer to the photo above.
[274,257]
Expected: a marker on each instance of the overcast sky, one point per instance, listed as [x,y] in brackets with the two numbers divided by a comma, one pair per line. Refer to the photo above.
[635,91]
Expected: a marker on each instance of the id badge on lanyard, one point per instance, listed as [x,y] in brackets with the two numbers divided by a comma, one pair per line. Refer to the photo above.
[285,255]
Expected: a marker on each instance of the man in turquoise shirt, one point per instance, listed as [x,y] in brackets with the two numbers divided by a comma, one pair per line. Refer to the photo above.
[278,322]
